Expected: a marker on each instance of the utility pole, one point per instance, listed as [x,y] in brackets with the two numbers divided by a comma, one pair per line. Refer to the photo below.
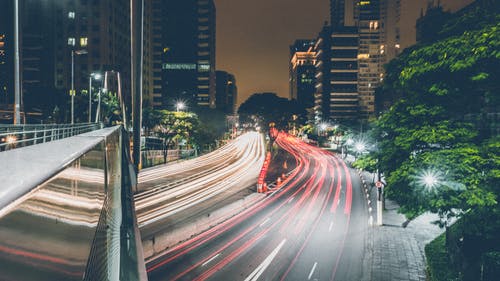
[136,30]
[380,197]
[72,91]
[17,74]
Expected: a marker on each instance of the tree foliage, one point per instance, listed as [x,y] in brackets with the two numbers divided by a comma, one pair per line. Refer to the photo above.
[269,108]
[437,86]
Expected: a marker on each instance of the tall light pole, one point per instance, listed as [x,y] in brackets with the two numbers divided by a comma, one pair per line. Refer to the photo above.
[136,41]
[17,74]
[72,92]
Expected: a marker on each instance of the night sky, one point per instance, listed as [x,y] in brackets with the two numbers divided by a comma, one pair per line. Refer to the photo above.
[253,38]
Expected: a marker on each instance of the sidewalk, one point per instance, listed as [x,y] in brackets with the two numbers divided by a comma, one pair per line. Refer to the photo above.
[394,252]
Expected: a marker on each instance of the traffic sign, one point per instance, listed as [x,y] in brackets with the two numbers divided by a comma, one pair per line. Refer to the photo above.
[379,184]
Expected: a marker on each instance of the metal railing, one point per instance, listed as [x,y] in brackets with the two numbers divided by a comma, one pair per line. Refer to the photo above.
[74,198]
[152,158]
[14,136]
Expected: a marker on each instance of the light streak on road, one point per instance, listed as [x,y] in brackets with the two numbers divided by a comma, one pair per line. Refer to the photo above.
[303,212]
[234,166]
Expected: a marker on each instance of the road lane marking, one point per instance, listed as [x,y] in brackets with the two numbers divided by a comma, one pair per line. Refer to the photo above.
[265,221]
[330,228]
[312,271]
[260,269]
[291,199]
[211,259]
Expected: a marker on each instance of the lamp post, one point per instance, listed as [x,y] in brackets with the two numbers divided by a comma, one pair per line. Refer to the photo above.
[380,197]
[96,76]
[17,73]
[72,92]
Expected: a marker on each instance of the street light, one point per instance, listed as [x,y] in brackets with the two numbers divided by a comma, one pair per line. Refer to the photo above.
[17,72]
[72,91]
[323,126]
[180,106]
[96,76]
[360,147]
[429,179]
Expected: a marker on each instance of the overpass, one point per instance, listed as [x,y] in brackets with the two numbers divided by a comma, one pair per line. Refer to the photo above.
[69,190]
[66,205]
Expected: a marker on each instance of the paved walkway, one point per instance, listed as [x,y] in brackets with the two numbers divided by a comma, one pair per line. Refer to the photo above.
[394,252]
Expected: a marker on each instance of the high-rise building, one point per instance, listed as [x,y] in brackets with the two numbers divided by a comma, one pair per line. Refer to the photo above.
[98,35]
[188,52]
[302,72]
[322,86]
[344,92]
[370,16]
[226,92]
[336,97]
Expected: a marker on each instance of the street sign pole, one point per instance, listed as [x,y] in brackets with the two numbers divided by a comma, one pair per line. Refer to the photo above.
[380,194]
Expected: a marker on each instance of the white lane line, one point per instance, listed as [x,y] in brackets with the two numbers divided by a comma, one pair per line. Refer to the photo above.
[211,259]
[265,221]
[291,199]
[312,271]
[260,269]
[330,228]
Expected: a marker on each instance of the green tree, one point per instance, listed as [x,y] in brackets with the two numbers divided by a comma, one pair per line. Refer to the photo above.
[268,108]
[435,86]
[176,127]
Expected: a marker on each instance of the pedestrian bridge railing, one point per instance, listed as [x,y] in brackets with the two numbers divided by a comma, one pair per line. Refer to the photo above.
[15,136]
[67,211]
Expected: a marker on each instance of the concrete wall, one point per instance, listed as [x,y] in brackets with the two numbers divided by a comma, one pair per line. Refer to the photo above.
[163,240]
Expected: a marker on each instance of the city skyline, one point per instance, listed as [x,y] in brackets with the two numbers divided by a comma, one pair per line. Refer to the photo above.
[253,42]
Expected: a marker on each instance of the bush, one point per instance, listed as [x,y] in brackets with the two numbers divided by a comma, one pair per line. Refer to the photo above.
[439,267]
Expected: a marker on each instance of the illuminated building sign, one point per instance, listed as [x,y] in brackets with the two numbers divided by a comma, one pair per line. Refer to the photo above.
[179,66]
[203,67]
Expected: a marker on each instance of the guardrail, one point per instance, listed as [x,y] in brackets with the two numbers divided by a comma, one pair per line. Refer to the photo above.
[152,158]
[15,136]
[67,210]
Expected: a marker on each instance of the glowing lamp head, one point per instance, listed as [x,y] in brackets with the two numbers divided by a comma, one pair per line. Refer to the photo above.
[323,126]
[360,147]
[10,139]
[97,76]
[180,105]
[429,179]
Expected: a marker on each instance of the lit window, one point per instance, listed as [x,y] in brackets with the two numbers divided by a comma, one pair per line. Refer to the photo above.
[71,15]
[83,41]
[71,41]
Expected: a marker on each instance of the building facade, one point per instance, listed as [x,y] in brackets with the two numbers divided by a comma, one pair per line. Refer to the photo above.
[187,38]
[302,72]
[226,92]
[370,17]
[337,69]
[344,77]
[97,33]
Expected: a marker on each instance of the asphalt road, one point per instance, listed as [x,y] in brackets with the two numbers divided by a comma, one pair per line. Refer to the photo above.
[184,189]
[312,227]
